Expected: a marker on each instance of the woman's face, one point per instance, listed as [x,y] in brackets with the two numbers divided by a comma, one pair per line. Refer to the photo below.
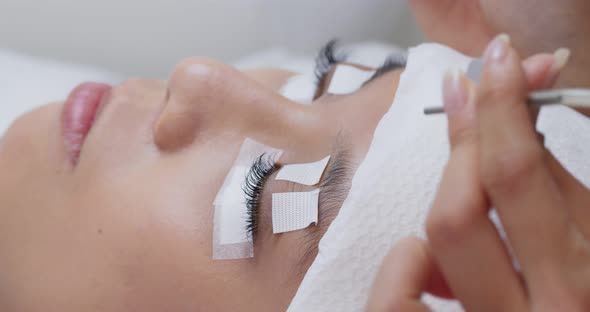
[106,199]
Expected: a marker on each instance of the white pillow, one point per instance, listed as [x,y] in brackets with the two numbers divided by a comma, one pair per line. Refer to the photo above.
[28,82]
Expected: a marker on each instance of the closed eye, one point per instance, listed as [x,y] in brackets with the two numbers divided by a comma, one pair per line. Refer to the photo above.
[262,168]
[329,56]
[393,62]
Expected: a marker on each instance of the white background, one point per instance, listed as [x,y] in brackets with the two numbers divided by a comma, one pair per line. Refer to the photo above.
[146,38]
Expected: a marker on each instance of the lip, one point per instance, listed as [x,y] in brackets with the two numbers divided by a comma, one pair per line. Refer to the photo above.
[79,114]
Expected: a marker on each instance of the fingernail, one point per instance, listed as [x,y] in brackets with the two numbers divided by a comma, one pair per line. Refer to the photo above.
[454,91]
[497,49]
[561,56]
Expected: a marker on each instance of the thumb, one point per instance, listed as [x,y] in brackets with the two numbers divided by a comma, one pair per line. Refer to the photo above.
[501,96]
[403,277]
[503,78]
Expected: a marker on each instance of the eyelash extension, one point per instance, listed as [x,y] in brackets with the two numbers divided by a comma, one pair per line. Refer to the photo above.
[328,56]
[262,168]
[393,62]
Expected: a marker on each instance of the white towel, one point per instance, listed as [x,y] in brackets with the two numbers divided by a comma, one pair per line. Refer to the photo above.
[394,187]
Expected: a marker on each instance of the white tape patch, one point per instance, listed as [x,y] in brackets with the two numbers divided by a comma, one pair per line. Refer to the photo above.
[294,211]
[299,88]
[232,208]
[307,174]
[348,79]
[230,239]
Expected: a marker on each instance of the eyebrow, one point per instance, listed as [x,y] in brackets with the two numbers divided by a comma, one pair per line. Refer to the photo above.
[334,188]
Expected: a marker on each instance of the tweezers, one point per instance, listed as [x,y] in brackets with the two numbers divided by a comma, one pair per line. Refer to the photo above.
[575,98]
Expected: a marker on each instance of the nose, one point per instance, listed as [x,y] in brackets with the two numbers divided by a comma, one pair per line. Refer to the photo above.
[206,97]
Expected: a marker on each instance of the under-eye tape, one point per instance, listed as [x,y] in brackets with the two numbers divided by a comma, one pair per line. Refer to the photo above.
[232,209]
[230,238]
[294,211]
[348,79]
[300,89]
[307,174]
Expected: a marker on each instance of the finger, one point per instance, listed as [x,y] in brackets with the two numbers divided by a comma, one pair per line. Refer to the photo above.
[584,111]
[542,70]
[437,285]
[465,242]
[402,279]
[514,170]
[574,193]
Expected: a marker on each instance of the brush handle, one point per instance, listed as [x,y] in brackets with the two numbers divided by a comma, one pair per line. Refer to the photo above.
[576,98]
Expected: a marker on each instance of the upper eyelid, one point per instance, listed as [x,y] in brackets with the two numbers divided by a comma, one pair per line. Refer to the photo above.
[253,187]
[391,63]
[330,55]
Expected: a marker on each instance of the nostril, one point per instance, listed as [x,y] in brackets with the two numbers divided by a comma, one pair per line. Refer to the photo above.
[207,97]
[177,125]
[195,91]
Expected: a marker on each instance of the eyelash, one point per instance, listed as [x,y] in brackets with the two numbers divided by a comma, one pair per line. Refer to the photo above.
[328,56]
[393,62]
[262,168]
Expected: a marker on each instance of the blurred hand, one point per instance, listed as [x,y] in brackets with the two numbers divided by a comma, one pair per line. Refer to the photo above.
[459,24]
[497,160]
[534,26]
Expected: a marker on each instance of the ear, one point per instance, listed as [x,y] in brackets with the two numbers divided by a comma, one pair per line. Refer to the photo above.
[460,24]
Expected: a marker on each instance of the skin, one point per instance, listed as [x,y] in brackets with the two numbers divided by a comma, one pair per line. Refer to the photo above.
[128,225]
[412,267]
[555,24]
[542,207]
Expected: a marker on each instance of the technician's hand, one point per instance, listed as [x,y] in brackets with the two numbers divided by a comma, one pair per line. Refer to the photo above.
[468,25]
[497,160]
[442,20]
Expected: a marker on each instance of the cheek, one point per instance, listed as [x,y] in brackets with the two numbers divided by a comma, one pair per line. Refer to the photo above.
[34,141]
[147,246]
[165,259]
[502,15]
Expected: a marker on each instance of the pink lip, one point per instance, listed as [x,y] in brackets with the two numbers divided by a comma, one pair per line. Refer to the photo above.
[78,115]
